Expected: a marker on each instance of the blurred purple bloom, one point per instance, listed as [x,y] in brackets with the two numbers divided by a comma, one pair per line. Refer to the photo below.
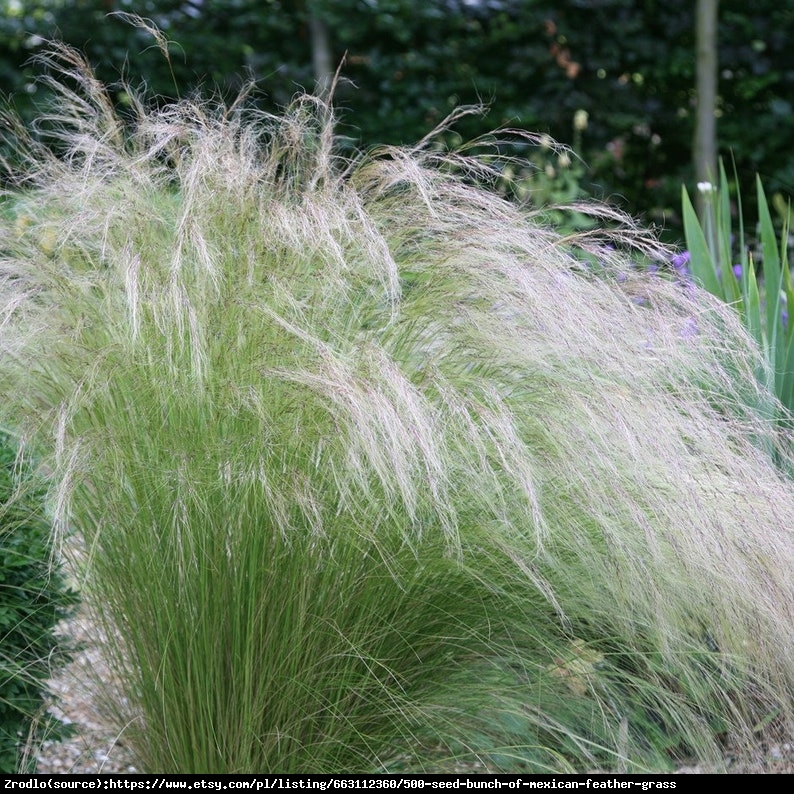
[681,261]
[737,271]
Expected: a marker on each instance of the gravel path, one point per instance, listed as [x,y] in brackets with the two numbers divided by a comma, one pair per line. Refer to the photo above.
[95,747]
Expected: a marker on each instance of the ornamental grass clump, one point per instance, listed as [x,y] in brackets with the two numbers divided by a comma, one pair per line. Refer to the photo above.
[371,473]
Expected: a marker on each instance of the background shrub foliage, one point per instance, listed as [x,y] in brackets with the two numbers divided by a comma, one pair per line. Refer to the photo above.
[628,63]
[33,598]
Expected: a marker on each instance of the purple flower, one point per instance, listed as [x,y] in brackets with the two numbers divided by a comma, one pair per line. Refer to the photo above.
[681,261]
[737,271]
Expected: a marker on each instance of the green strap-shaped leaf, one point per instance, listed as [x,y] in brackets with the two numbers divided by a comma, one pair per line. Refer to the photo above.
[753,306]
[786,383]
[772,277]
[730,287]
[700,261]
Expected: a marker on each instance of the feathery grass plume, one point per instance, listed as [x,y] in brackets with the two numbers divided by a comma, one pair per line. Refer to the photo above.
[372,472]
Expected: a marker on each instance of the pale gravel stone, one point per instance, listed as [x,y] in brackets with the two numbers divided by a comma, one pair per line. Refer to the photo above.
[96,747]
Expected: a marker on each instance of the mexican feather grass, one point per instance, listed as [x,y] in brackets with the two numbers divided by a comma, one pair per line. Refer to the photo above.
[372,472]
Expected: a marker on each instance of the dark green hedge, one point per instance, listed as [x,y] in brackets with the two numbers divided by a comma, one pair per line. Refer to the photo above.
[630,64]
[33,598]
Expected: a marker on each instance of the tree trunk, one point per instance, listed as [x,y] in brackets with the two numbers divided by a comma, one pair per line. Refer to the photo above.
[705,143]
[321,51]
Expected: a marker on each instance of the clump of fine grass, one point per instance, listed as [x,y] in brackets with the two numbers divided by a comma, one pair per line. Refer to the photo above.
[372,472]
